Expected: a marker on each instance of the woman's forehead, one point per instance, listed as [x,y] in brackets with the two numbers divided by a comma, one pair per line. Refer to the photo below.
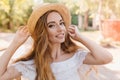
[54,16]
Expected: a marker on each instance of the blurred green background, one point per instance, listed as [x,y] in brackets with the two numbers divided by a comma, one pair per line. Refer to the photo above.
[14,13]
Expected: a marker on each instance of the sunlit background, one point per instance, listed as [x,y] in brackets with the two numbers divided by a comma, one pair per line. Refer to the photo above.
[85,13]
[96,19]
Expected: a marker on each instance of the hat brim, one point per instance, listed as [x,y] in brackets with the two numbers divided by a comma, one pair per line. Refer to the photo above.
[42,9]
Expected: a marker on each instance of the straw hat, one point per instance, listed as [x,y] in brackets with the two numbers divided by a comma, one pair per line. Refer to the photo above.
[39,10]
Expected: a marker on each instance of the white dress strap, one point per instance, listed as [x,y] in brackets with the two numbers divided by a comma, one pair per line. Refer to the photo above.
[26,68]
[81,54]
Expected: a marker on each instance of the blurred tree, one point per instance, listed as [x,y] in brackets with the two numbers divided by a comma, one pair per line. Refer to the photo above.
[14,12]
[51,1]
[111,8]
[87,8]
[36,2]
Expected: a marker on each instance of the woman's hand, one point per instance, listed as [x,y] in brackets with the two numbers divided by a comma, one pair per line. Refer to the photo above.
[74,32]
[95,56]
[21,35]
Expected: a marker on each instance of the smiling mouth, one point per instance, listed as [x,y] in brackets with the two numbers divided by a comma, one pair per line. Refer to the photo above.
[60,35]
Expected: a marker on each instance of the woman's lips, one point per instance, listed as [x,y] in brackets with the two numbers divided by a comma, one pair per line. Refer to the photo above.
[60,35]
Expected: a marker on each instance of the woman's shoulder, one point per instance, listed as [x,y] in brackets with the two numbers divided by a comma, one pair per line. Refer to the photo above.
[81,52]
[26,68]
[80,55]
[26,65]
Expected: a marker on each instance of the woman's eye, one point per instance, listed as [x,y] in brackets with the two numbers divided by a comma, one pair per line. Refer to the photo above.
[50,26]
[62,23]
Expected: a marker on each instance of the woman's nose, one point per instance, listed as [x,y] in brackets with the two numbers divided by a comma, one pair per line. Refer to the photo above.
[60,28]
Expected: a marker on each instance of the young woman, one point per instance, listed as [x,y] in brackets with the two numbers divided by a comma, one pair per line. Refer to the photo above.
[54,55]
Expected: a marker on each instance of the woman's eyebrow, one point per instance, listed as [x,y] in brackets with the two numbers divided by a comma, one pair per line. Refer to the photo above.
[53,22]
[50,22]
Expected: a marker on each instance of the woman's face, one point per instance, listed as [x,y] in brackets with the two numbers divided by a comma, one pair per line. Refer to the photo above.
[56,28]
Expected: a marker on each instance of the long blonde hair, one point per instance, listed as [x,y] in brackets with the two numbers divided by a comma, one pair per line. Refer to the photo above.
[42,49]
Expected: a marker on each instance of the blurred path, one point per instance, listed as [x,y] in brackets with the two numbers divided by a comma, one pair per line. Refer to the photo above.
[109,71]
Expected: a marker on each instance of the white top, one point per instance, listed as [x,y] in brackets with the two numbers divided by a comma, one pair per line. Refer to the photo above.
[64,70]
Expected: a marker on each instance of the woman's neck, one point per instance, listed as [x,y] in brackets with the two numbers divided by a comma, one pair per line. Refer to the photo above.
[56,51]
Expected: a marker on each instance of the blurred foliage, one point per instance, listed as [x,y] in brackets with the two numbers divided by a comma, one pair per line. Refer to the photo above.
[111,8]
[51,1]
[14,13]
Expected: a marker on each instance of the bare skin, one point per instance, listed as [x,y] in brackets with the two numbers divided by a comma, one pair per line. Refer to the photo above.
[20,37]
[96,56]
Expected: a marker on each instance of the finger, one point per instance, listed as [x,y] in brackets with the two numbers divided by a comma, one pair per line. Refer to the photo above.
[74,27]
[71,34]
[28,33]
[71,29]
[24,29]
